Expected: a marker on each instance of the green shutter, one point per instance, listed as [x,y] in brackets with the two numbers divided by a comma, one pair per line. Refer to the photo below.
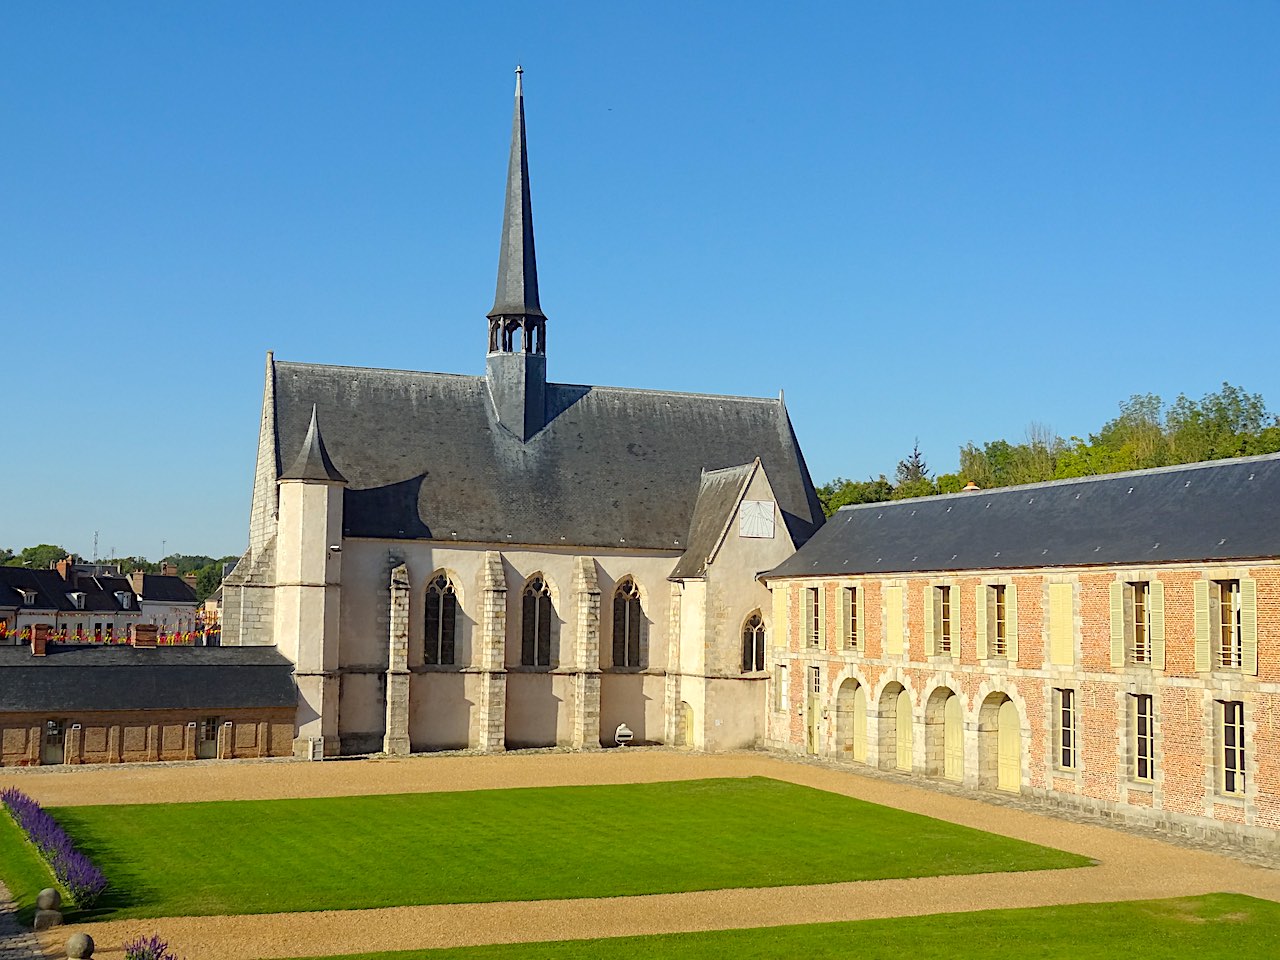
[822,615]
[1157,625]
[980,619]
[1249,626]
[1011,622]
[930,641]
[1117,623]
[1202,625]
[861,626]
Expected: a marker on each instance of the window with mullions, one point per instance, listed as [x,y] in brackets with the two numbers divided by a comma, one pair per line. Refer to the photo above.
[1230,636]
[1066,710]
[1232,775]
[753,644]
[1144,739]
[628,617]
[849,611]
[1000,631]
[535,624]
[441,621]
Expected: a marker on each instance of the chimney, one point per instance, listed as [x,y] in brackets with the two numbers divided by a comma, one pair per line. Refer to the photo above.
[144,634]
[136,581]
[63,567]
[189,579]
[39,639]
[970,487]
[168,569]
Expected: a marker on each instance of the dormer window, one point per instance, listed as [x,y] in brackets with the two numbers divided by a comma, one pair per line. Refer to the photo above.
[28,596]
[77,599]
[124,597]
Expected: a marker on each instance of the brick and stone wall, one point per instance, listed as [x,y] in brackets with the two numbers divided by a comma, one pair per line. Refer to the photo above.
[1185,793]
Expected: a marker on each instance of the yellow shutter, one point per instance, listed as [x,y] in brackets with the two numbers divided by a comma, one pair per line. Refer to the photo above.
[1202,625]
[806,612]
[858,591]
[1117,624]
[1249,626]
[779,625]
[1156,601]
[1011,621]
[930,641]
[980,619]
[822,615]
[1061,624]
[893,619]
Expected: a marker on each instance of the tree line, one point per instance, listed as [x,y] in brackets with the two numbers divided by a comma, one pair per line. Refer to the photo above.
[1148,433]
[208,570]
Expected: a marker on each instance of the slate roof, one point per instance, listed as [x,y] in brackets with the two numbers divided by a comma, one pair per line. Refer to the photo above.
[425,457]
[80,678]
[312,462]
[718,493]
[52,590]
[166,589]
[1221,510]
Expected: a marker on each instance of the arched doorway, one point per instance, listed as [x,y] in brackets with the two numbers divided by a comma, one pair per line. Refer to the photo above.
[1009,747]
[944,735]
[684,725]
[999,744]
[904,744]
[847,721]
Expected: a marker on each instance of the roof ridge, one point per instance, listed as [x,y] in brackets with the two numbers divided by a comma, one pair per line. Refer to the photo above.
[1065,481]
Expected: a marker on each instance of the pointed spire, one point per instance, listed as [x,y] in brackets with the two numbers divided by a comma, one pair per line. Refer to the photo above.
[517,294]
[312,462]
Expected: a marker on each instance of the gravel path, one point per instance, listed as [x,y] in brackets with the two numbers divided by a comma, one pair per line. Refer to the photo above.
[1130,866]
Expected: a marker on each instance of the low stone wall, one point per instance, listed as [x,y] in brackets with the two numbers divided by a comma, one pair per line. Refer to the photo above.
[146,736]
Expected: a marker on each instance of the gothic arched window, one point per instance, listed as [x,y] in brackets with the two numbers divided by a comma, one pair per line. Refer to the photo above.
[627,619]
[535,625]
[753,644]
[442,620]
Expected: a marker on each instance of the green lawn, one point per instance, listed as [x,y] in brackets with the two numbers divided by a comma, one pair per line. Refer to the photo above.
[22,869]
[1220,926]
[518,844]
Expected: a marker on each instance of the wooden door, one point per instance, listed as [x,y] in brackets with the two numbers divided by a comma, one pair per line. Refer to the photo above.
[1009,748]
[860,724]
[952,739]
[904,732]
[53,747]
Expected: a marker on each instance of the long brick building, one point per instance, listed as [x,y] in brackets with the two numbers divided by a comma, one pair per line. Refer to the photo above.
[1108,643]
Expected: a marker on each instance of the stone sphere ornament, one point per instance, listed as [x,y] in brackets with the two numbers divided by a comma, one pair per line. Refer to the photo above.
[79,946]
[48,899]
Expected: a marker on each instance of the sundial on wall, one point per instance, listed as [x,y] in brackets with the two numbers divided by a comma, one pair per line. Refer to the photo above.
[755,519]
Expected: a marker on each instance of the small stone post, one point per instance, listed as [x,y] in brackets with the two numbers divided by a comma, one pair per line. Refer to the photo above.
[396,739]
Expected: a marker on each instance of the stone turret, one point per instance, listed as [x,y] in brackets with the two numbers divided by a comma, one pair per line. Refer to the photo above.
[308,585]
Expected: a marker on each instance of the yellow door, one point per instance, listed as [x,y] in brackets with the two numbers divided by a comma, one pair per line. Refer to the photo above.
[904,731]
[860,724]
[815,719]
[1009,749]
[952,739]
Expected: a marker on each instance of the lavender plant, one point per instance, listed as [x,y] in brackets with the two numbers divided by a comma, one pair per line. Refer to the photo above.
[148,948]
[83,880]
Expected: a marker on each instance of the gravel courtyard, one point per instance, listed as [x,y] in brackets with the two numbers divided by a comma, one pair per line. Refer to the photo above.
[1130,867]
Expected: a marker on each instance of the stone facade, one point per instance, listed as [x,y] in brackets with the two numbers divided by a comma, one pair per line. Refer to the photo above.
[842,675]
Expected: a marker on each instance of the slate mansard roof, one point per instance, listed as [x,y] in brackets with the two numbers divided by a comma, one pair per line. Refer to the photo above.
[1221,510]
[51,591]
[424,456]
[80,678]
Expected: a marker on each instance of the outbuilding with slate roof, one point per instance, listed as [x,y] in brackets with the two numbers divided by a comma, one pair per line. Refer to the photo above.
[1109,644]
[501,560]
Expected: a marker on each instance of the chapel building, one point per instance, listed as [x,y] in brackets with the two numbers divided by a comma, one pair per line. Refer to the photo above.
[504,561]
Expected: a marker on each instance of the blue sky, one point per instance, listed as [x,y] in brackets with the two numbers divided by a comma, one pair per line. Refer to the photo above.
[929,220]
